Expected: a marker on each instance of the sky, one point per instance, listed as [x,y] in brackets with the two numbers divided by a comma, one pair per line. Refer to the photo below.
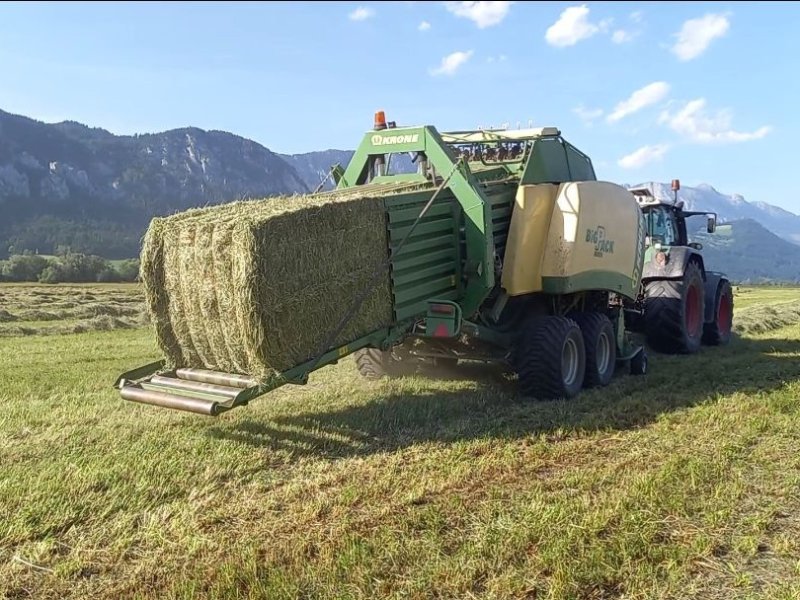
[703,92]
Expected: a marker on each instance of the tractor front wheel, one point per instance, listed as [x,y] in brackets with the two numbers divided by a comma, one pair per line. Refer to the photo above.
[673,312]
[550,358]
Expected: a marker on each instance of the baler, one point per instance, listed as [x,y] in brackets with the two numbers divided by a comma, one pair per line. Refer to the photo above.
[502,247]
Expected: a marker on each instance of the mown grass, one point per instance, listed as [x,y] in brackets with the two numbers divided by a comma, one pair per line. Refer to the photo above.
[35,309]
[680,484]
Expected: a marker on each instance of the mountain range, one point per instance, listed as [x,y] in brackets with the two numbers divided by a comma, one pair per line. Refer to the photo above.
[70,185]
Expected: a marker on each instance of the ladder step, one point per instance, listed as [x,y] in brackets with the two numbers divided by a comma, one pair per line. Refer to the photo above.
[216,378]
[225,392]
[135,393]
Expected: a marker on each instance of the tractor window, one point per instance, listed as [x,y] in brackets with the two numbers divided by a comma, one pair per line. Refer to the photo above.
[661,225]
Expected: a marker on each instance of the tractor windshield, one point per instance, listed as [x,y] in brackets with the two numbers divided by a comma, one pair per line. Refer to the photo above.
[661,225]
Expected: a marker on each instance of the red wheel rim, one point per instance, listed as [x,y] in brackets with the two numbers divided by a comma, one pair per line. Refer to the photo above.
[724,314]
[693,311]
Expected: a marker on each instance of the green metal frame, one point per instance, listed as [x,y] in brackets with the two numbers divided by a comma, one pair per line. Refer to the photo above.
[464,186]
[382,338]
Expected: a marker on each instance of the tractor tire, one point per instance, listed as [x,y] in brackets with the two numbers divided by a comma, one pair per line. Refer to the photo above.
[601,347]
[638,364]
[673,313]
[550,359]
[373,363]
[718,331]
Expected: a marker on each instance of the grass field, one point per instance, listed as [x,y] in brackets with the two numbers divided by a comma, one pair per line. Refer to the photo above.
[684,483]
[34,309]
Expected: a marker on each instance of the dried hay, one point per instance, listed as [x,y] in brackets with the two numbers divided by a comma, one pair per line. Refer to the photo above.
[256,287]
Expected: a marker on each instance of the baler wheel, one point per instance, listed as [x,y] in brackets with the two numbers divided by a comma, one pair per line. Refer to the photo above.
[373,363]
[550,358]
[601,347]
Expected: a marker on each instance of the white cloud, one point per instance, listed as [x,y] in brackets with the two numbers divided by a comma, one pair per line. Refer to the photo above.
[641,98]
[451,63]
[573,26]
[424,26]
[483,14]
[620,36]
[362,13]
[698,125]
[696,35]
[636,16]
[498,58]
[587,114]
[643,156]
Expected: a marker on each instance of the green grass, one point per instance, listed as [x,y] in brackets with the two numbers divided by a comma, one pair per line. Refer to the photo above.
[759,295]
[681,484]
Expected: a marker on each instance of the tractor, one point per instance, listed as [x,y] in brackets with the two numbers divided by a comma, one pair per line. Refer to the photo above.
[681,304]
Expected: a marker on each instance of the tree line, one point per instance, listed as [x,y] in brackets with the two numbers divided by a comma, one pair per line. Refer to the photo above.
[67,268]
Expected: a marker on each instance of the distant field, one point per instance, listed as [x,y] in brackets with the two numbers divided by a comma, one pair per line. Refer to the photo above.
[35,309]
[684,483]
[752,295]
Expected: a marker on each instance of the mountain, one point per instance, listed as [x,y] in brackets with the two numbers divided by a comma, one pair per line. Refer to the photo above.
[732,207]
[66,184]
[749,253]
[313,167]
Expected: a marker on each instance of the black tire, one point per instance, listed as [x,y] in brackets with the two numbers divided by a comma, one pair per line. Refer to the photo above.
[600,344]
[718,331]
[639,363]
[373,363]
[673,313]
[550,359]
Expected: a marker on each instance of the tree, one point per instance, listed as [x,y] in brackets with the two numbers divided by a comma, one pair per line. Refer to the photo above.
[24,267]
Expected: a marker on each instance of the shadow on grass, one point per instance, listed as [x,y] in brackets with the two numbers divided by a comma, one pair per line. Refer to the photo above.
[490,407]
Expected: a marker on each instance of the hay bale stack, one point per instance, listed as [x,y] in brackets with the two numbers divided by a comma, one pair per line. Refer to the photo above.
[255,287]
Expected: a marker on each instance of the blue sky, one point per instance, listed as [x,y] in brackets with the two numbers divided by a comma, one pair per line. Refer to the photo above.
[707,92]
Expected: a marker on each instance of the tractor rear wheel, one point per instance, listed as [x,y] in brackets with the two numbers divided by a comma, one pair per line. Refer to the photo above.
[601,347]
[673,312]
[550,358]
[718,332]
[373,363]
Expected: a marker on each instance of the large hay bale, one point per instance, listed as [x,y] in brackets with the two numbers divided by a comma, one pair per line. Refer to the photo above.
[255,287]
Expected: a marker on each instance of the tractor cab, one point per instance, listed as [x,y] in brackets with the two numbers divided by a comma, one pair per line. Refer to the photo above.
[666,220]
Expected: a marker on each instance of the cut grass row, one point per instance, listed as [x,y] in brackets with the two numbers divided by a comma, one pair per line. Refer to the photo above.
[681,484]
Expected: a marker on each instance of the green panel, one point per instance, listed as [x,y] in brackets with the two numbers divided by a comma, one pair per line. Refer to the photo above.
[424,289]
[591,280]
[429,264]
[438,243]
[426,228]
[427,257]
[547,163]
[439,208]
[412,310]
[476,211]
[580,166]
[502,212]
[403,276]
